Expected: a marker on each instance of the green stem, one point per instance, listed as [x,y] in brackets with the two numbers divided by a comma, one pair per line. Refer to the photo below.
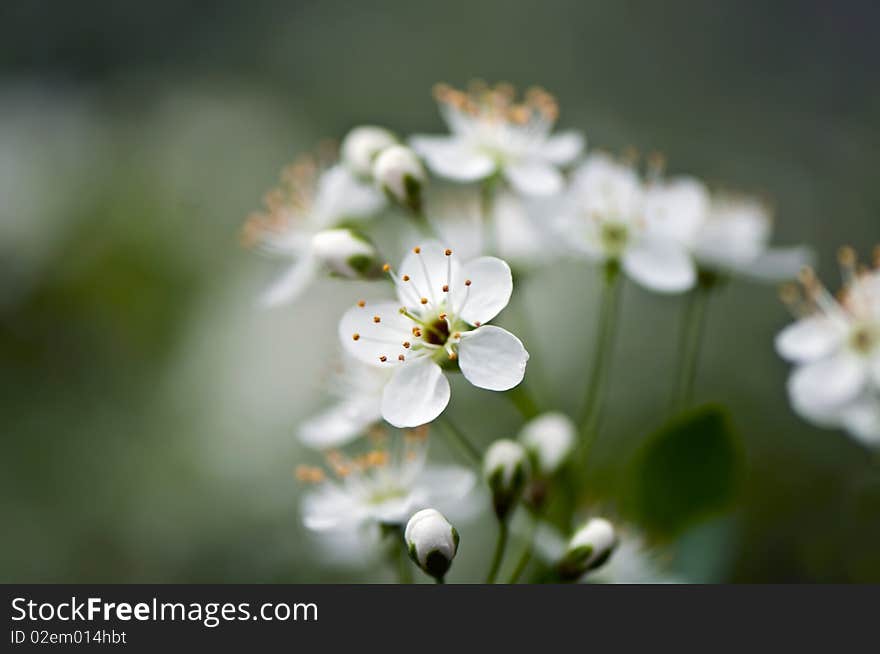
[440,580]
[523,400]
[602,350]
[500,545]
[691,341]
[526,555]
[464,443]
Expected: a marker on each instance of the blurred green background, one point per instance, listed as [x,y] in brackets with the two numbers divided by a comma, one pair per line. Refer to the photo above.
[148,406]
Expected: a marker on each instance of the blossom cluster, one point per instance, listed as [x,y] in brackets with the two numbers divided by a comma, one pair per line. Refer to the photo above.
[514,195]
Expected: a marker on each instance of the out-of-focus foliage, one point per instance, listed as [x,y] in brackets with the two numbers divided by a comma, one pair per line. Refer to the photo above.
[148,405]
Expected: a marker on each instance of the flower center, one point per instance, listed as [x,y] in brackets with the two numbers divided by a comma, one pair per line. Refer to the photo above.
[613,236]
[437,332]
[864,338]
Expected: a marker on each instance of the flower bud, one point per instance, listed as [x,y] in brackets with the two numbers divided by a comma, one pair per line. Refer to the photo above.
[361,146]
[506,470]
[589,548]
[398,171]
[432,542]
[549,440]
[345,253]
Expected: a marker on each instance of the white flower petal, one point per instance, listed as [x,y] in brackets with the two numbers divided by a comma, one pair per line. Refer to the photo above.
[452,158]
[777,264]
[292,283]
[534,177]
[328,506]
[676,209]
[339,424]
[563,148]
[417,393]
[492,358]
[444,486]
[862,420]
[375,339]
[820,390]
[427,272]
[660,265]
[808,339]
[341,195]
[489,291]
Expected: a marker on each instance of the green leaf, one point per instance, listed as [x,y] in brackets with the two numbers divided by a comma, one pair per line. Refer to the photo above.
[688,470]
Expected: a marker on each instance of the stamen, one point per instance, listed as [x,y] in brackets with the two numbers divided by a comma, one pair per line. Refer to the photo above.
[407,344]
[447,252]
[445,288]
[386,267]
[417,250]
[355,336]
[377,319]
[405,278]
[400,357]
[361,304]
[383,358]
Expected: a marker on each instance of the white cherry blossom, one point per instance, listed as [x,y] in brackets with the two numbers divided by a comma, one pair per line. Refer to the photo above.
[835,346]
[492,133]
[381,487]
[604,217]
[438,321]
[299,222]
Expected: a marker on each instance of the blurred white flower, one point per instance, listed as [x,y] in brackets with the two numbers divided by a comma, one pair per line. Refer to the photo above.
[725,233]
[362,145]
[492,133]
[835,347]
[379,488]
[358,388]
[549,439]
[432,542]
[398,171]
[295,222]
[604,217]
[438,320]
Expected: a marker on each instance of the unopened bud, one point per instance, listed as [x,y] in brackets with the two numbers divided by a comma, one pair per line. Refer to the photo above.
[549,440]
[431,541]
[589,548]
[506,470]
[398,171]
[361,146]
[345,253]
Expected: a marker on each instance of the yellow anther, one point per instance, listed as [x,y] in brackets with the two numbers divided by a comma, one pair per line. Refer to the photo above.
[361,304]
[377,319]
[355,336]
[383,358]
[448,252]
[386,267]
[417,250]
[400,357]
[424,300]
[405,278]
[467,282]
[406,344]
[445,288]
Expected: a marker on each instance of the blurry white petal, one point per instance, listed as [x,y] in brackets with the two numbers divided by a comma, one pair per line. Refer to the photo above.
[660,265]
[452,158]
[339,424]
[676,209]
[341,195]
[492,358]
[328,506]
[563,148]
[489,291]
[778,264]
[534,177]
[862,420]
[820,390]
[417,393]
[368,340]
[443,486]
[292,283]
[808,339]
